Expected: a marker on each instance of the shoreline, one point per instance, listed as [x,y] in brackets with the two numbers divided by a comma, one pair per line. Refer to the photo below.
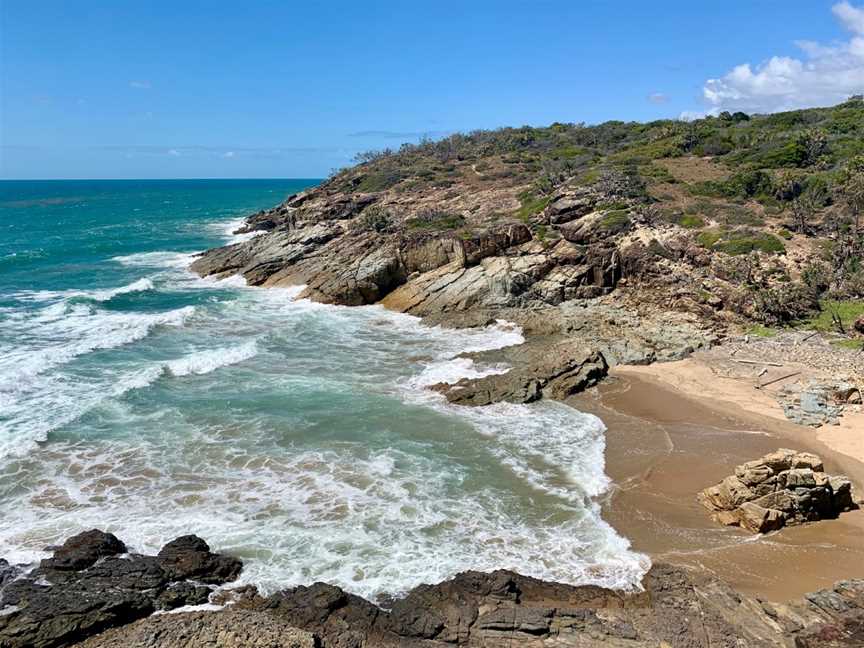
[665,443]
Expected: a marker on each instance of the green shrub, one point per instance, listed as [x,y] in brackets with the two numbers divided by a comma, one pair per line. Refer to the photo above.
[374,219]
[783,304]
[750,241]
[615,221]
[760,330]
[691,221]
[379,181]
[433,219]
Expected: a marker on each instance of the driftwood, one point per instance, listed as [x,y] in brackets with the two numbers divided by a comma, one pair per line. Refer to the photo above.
[771,382]
[760,362]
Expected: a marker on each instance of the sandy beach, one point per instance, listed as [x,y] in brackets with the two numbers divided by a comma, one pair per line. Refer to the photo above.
[676,428]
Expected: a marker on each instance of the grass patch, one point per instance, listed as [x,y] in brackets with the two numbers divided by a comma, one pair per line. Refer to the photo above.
[847,310]
[762,331]
[708,238]
[855,345]
[691,221]
[740,241]
[531,205]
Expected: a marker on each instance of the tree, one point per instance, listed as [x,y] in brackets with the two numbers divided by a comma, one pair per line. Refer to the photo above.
[851,190]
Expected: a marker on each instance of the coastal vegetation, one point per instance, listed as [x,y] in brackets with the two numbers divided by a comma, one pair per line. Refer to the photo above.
[784,192]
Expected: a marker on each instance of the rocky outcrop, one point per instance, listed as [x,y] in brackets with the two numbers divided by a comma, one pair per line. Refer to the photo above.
[223,629]
[560,371]
[322,240]
[782,488]
[104,605]
[677,609]
[91,583]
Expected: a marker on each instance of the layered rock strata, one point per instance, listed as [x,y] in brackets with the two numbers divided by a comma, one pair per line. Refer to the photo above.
[782,488]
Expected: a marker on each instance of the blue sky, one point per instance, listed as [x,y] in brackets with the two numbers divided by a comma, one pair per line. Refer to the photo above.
[279,89]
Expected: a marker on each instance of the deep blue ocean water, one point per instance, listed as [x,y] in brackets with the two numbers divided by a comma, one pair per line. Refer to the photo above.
[143,400]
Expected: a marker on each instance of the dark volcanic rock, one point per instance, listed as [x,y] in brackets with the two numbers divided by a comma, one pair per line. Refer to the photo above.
[678,608]
[87,587]
[189,557]
[82,550]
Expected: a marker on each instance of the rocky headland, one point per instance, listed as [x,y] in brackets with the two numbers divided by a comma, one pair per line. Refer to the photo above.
[617,243]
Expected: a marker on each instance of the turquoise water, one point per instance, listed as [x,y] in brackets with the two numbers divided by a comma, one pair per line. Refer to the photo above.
[141,399]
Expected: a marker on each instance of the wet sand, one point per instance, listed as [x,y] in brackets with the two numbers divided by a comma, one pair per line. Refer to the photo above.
[663,446]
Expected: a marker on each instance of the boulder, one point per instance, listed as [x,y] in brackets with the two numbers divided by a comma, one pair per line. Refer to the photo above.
[782,488]
[83,550]
[189,557]
[753,473]
[841,490]
[733,492]
[779,460]
[781,500]
[758,519]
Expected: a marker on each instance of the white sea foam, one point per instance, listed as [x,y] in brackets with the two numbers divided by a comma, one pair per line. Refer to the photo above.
[369,521]
[452,371]
[62,332]
[227,230]
[204,362]
[510,486]
[156,259]
[141,285]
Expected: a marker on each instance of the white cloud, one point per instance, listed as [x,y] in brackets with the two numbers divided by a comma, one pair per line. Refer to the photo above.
[140,85]
[228,154]
[825,75]
[658,98]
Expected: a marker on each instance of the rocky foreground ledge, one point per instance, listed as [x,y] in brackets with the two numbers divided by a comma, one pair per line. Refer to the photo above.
[94,593]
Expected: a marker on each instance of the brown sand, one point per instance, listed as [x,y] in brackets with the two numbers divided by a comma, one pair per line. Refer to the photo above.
[674,429]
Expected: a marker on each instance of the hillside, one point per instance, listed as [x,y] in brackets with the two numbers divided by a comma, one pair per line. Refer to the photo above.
[620,243]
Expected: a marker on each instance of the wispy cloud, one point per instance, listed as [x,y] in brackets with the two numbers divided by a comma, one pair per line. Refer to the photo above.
[140,84]
[825,75]
[228,154]
[658,98]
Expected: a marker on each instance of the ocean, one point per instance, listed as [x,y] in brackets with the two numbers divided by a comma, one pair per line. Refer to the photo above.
[140,399]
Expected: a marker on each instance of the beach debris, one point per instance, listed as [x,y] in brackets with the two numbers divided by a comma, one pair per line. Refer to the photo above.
[759,362]
[782,488]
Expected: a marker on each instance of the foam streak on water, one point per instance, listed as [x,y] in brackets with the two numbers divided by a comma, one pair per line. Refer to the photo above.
[296,435]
